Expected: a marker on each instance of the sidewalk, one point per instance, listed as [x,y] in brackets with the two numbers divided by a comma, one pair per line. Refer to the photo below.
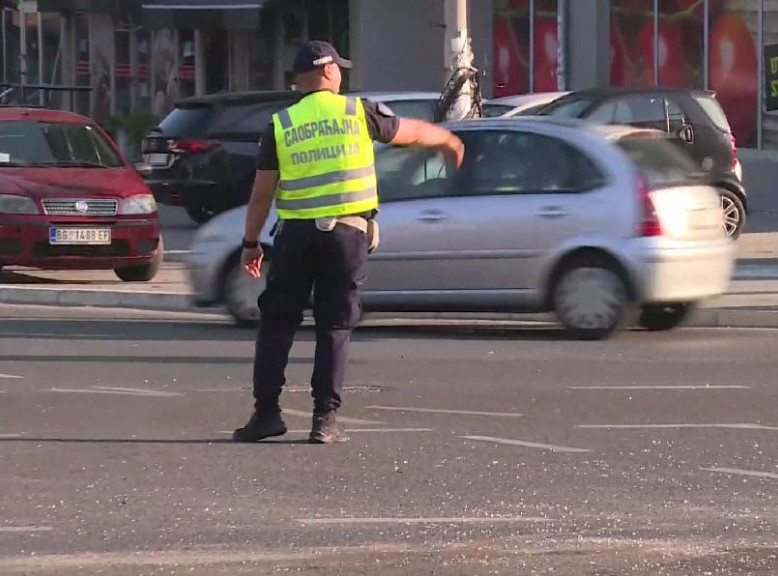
[751,301]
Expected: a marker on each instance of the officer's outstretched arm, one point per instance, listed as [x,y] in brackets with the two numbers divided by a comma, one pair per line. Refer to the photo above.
[419,133]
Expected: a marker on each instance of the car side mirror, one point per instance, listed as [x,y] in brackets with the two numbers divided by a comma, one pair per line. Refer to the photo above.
[143,169]
[687,134]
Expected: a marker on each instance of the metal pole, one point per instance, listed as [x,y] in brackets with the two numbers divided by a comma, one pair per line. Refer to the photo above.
[656,42]
[706,45]
[531,45]
[22,49]
[760,77]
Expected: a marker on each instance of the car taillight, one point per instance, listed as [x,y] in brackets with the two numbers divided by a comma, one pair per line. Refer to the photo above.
[649,221]
[734,150]
[193,146]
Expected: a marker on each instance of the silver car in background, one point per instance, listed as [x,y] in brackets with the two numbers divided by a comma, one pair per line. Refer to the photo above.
[583,220]
[521,104]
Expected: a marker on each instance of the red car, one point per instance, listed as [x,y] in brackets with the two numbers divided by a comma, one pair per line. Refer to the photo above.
[70,200]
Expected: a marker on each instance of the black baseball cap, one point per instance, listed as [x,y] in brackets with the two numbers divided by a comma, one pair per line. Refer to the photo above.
[315,54]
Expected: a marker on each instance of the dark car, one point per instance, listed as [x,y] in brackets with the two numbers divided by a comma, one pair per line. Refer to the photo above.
[203,154]
[694,121]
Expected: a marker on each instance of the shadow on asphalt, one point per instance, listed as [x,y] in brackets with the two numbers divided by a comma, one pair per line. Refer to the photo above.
[145,330]
[152,441]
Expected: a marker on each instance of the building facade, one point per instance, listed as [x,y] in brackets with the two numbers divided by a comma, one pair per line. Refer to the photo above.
[139,56]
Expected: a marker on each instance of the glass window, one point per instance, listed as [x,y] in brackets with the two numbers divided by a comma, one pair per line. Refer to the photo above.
[714,111]
[567,108]
[56,144]
[122,72]
[512,162]
[83,66]
[412,174]
[246,118]
[641,112]
[186,63]
[494,110]
[189,122]
[417,109]
[677,117]
[660,162]
[52,60]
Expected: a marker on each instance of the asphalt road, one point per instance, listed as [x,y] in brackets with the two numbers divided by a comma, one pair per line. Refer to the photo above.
[647,454]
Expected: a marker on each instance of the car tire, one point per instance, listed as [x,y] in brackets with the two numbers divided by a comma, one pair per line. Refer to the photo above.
[241,293]
[661,317]
[734,213]
[200,215]
[590,298]
[144,272]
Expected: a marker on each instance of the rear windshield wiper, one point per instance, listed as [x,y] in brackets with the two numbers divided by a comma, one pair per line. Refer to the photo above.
[13,164]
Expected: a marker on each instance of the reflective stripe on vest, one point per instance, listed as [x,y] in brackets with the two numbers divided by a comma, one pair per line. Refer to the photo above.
[326,159]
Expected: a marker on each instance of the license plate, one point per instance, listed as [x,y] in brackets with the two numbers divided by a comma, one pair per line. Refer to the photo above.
[157,159]
[90,236]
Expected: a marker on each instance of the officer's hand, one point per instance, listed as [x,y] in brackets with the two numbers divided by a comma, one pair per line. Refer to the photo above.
[455,150]
[251,260]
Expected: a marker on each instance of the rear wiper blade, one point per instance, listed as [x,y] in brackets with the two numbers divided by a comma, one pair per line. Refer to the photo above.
[12,164]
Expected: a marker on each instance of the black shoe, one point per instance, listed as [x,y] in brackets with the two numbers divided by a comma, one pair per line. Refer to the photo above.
[261,425]
[326,430]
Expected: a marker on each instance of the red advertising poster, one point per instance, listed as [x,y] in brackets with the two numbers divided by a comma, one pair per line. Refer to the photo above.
[679,41]
[511,48]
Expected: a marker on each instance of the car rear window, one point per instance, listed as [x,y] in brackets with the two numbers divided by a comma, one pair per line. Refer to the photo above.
[186,121]
[659,161]
[494,110]
[714,111]
[567,108]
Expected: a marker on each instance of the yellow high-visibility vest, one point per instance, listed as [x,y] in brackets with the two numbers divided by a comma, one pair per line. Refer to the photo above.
[325,157]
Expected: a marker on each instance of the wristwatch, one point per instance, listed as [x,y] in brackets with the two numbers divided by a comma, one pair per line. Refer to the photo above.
[249,244]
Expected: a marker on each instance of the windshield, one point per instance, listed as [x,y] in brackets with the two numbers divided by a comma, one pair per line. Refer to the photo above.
[33,143]
[659,161]
[189,122]
[566,108]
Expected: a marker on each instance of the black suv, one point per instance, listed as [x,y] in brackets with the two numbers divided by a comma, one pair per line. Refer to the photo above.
[693,119]
[203,154]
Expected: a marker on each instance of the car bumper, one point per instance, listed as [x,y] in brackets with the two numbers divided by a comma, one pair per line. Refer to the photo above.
[186,193]
[685,272]
[25,242]
[204,271]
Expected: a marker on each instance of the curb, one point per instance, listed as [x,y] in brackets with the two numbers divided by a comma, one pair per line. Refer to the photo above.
[176,302]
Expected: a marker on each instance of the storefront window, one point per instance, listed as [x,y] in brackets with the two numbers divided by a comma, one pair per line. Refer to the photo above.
[733,64]
[83,70]
[33,49]
[143,39]
[165,71]
[11,32]
[186,66]
[525,50]
[123,69]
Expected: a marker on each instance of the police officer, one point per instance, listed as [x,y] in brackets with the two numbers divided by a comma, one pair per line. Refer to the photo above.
[318,157]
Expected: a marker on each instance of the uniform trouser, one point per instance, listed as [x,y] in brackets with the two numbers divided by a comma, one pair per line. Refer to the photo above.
[332,264]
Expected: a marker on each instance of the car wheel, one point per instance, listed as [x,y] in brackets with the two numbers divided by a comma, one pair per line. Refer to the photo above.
[143,272]
[658,317]
[241,293]
[734,213]
[590,298]
[200,215]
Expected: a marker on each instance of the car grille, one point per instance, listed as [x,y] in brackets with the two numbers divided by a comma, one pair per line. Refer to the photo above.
[85,207]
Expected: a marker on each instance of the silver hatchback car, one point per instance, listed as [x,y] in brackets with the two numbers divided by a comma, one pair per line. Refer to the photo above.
[544,215]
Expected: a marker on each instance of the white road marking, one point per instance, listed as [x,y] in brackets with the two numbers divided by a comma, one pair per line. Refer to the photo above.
[25,529]
[472,520]
[739,472]
[445,411]
[725,387]
[10,435]
[655,426]
[11,377]
[356,430]
[116,390]
[551,447]
[343,419]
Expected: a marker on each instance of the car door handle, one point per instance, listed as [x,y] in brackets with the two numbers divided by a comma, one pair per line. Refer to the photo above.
[432,216]
[552,212]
